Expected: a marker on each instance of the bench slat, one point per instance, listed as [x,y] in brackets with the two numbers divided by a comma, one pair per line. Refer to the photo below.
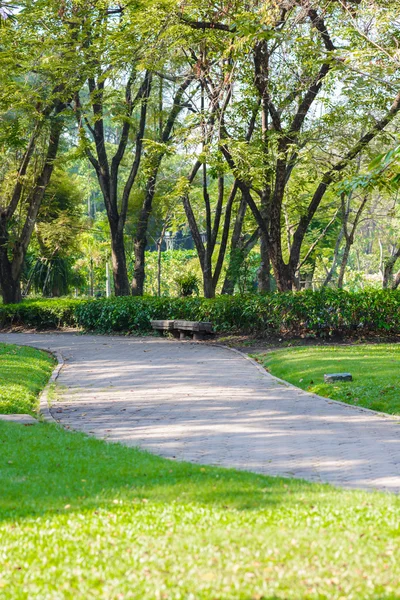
[165,325]
[193,325]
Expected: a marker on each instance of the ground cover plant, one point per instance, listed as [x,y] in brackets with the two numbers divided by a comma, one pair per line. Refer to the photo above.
[375,369]
[82,519]
[24,372]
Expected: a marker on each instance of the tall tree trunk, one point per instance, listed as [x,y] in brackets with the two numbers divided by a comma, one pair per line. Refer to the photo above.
[264,272]
[107,170]
[140,241]
[9,284]
[343,264]
[388,270]
[208,284]
[231,276]
[118,260]
[331,271]
[139,247]
[349,236]
[12,256]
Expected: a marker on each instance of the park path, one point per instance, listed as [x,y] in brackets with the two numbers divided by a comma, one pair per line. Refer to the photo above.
[207,404]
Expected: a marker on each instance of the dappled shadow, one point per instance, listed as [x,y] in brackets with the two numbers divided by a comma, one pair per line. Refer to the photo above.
[192,402]
[45,469]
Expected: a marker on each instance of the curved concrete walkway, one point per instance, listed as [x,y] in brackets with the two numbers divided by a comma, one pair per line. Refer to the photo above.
[209,405]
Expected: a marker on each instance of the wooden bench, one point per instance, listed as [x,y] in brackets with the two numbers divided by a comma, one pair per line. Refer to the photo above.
[199,330]
[163,326]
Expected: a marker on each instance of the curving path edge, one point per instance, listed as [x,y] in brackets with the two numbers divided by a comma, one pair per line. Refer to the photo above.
[207,404]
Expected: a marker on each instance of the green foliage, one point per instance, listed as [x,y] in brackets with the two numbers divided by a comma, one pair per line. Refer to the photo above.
[41,314]
[188,284]
[375,370]
[174,263]
[24,372]
[325,313]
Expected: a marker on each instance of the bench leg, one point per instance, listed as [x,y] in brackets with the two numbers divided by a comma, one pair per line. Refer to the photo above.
[198,336]
[182,335]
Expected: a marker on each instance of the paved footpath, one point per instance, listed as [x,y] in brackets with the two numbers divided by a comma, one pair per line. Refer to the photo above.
[210,405]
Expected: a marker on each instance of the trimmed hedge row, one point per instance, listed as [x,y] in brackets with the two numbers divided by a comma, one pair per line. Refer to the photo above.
[323,313]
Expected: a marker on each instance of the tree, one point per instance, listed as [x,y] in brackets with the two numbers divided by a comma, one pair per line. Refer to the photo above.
[34,98]
[94,132]
[13,248]
[301,53]
[57,238]
[159,148]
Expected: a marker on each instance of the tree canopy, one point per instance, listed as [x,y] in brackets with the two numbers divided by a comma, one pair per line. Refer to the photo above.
[261,136]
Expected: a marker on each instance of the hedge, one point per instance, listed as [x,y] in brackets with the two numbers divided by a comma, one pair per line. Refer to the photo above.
[324,313]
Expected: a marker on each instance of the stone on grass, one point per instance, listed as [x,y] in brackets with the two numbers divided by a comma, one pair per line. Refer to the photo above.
[332,377]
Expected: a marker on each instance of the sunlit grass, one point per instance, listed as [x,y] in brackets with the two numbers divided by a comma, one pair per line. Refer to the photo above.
[23,373]
[83,519]
[375,369]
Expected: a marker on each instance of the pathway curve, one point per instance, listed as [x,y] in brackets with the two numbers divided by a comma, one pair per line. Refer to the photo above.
[209,405]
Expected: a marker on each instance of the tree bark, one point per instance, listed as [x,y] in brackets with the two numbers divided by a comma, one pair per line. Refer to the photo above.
[108,171]
[12,256]
[10,286]
[349,237]
[208,283]
[388,280]
[118,262]
[264,272]
[140,241]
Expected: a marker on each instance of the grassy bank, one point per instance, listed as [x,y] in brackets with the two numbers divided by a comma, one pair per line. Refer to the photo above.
[375,369]
[23,374]
[83,519]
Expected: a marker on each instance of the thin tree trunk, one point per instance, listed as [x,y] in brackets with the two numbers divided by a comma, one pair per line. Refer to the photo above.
[159,246]
[159,269]
[107,171]
[118,261]
[230,277]
[12,259]
[335,259]
[343,264]
[264,272]
[140,240]
[349,236]
[388,271]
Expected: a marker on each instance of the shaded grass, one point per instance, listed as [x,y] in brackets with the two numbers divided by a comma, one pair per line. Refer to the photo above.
[83,519]
[24,372]
[375,369]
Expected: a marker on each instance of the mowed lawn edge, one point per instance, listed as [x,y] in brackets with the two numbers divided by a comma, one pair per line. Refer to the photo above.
[24,372]
[82,518]
[375,369]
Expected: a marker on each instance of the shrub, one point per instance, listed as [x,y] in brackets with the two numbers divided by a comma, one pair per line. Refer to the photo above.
[324,313]
[188,284]
[41,314]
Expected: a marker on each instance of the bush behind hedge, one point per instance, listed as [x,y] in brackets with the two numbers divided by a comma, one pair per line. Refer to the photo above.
[324,313]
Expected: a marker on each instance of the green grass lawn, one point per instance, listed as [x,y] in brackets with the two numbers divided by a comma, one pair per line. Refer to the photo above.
[83,519]
[375,369]
[23,374]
